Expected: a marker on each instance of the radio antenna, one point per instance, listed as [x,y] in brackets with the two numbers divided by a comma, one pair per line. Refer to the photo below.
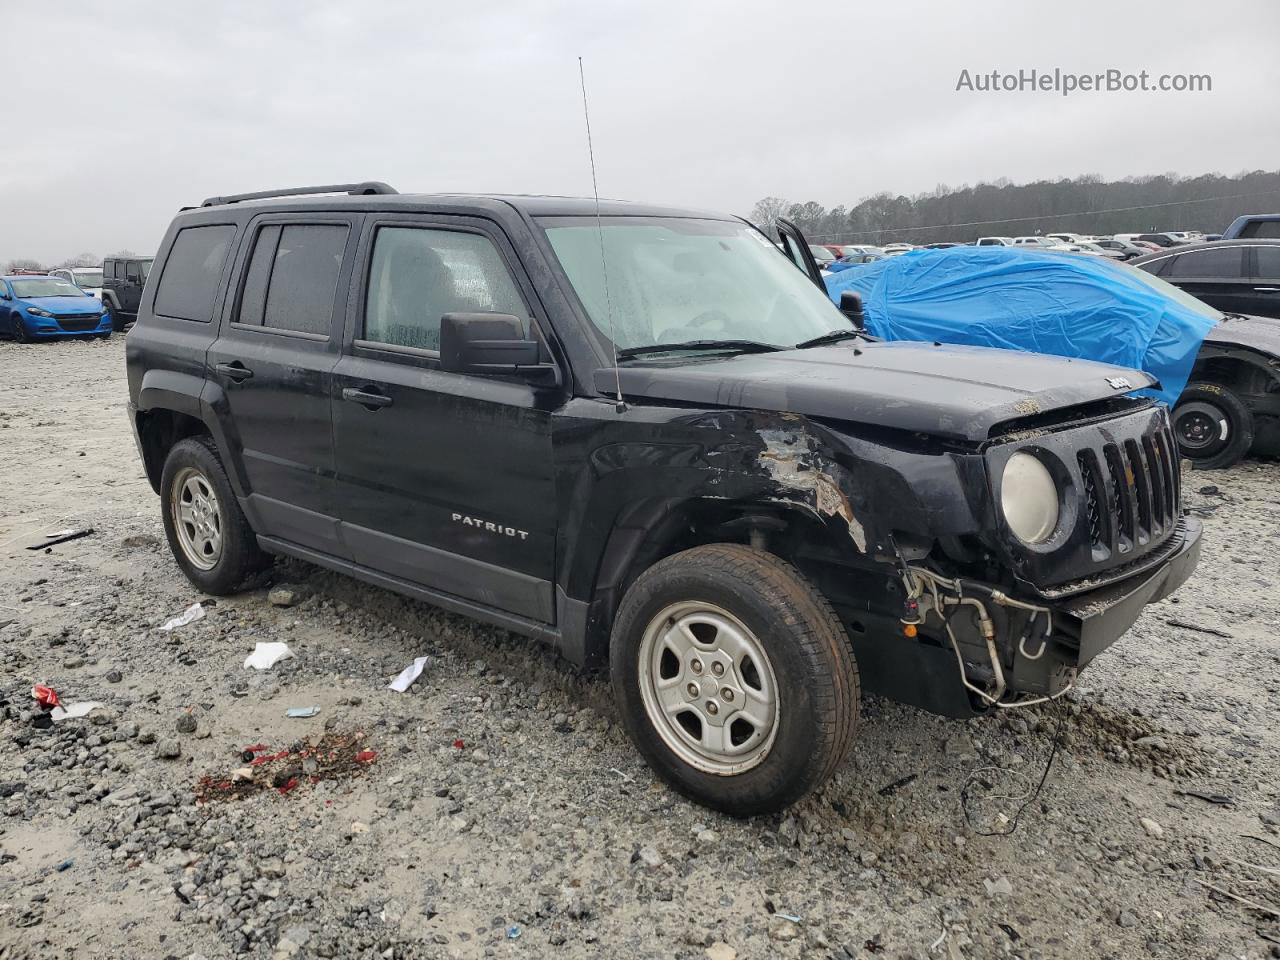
[620,405]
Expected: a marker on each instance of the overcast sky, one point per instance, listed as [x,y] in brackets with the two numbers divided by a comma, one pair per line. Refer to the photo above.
[124,112]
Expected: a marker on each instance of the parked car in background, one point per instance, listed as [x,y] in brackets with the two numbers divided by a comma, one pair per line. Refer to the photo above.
[896,249]
[854,249]
[1042,242]
[822,254]
[123,279]
[942,245]
[1165,240]
[1097,249]
[994,242]
[1126,248]
[36,307]
[1254,225]
[88,279]
[1066,237]
[1236,276]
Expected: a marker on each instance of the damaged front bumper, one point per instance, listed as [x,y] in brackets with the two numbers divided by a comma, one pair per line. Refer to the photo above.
[971,647]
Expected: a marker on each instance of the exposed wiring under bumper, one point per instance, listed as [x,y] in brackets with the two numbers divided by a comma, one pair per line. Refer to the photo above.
[929,592]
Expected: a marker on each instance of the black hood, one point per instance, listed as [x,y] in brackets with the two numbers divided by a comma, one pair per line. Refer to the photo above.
[1258,333]
[947,391]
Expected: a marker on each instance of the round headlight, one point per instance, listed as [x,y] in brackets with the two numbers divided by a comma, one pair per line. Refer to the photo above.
[1029,499]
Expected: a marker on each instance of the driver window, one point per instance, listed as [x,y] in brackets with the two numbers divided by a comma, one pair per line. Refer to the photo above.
[417,275]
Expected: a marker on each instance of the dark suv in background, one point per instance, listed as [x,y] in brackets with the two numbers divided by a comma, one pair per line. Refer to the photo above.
[689,466]
[122,281]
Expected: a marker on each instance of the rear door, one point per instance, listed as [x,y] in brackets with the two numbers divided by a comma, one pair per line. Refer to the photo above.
[274,361]
[444,480]
[796,247]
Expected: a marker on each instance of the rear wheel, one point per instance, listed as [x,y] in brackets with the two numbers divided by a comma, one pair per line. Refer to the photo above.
[734,678]
[1213,426]
[208,534]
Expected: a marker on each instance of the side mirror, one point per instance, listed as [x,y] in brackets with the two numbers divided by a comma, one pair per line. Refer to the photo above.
[491,343]
[4,295]
[851,307]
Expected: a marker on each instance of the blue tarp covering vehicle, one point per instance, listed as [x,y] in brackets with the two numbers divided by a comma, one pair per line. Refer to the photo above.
[1044,302]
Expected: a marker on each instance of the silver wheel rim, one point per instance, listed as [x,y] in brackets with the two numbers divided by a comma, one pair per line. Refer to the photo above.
[708,688]
[197,520]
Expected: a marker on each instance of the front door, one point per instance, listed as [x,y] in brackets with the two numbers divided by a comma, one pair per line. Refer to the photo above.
[443,480]
[797,250]
[274,361]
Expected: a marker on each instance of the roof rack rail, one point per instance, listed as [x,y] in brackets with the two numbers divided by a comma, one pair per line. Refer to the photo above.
[367,188]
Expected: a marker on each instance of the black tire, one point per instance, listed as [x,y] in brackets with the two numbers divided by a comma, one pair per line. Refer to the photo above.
[239,557]
[1213,427]
[20,334]
[808,655]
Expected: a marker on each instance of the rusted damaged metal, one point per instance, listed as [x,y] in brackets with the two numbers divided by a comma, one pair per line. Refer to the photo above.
[793,463]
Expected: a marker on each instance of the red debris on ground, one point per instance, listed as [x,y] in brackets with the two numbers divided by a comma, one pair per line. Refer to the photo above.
[46,695]
[459,744]
[330,756]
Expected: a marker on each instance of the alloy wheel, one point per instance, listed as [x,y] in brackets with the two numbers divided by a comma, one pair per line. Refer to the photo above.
[197,518]
[708,688]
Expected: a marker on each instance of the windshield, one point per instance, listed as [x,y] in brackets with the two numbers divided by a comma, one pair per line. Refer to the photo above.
[88,278]
[45,287]
[673,280]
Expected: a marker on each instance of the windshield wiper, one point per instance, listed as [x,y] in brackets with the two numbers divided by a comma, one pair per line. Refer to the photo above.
[727,346]
[834,336]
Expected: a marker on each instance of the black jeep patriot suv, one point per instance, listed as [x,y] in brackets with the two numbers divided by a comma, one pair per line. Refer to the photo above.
[643,436]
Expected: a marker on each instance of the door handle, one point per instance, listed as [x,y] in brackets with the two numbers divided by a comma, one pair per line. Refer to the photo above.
[366,397]
[236,370]
[1266,289]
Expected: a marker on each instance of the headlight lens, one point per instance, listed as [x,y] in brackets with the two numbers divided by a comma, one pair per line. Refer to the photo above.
[37,312]
[1029,499]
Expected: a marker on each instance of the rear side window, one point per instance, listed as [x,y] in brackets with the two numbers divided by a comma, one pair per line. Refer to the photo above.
[191,273]
[1268,263]
[1221,263]
[417,275]
[292,277]
[1262,229]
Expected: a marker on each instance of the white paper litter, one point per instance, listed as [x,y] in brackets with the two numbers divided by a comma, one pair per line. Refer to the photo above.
[409,674]
[267,655]
[73,710]
[189,615]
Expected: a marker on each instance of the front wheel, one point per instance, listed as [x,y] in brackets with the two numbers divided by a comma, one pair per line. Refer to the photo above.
[19,330]
[208,534]
[734,678]
[1212,425]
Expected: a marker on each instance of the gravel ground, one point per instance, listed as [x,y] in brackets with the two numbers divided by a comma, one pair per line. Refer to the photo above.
[497,809]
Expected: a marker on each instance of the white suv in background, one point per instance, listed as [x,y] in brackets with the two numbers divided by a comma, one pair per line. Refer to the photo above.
[88,279]
[994,242]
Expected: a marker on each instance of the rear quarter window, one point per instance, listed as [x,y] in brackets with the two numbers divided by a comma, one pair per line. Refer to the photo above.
[189,283]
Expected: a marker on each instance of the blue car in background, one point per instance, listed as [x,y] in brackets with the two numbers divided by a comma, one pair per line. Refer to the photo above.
[35,307]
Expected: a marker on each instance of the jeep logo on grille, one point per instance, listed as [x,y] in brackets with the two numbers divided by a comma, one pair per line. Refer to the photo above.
[1120,383]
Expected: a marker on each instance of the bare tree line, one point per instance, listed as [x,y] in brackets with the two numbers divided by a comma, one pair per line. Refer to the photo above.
[1085,204]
